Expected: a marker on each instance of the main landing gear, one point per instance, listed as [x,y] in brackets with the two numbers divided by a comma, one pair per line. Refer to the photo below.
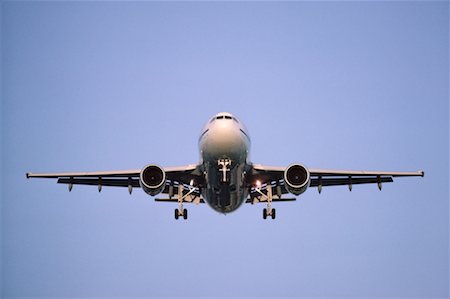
[180,198]
[269,211]
[183,213]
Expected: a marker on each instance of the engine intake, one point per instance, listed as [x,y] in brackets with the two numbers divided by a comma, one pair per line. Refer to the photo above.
[152,179]
[296,179]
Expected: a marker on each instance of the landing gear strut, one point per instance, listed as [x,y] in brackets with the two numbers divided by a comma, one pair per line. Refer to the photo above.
[224,167]
[180,211]
[183,213]
[269,211]
[266,213]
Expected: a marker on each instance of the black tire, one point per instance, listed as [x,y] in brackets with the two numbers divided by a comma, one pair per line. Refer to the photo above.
[264,213]
[273,213]
[176,214]
[185,214]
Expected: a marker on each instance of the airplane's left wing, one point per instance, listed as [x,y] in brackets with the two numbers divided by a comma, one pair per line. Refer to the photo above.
[325,177]
[267,184]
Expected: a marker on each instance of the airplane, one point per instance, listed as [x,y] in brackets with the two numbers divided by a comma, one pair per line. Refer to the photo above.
[225,178]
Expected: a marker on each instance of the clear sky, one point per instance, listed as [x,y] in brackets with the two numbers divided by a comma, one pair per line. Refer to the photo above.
[112,85]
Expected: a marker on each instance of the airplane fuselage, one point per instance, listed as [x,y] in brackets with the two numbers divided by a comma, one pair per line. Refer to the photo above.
[224,147]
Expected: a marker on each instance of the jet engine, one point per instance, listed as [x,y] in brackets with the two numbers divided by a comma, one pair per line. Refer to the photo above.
[296,179]
[152,179]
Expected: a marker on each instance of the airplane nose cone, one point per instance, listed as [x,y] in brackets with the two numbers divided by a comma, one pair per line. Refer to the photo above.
[224,140]
[224,133]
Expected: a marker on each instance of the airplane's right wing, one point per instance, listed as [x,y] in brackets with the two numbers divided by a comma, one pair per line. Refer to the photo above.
[174,177]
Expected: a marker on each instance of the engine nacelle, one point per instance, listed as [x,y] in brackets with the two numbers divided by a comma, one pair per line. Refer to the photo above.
[152,179]
[296,179]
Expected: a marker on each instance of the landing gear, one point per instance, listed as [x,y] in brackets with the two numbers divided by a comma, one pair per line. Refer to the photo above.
[224,167]
[183,213]
[269,212]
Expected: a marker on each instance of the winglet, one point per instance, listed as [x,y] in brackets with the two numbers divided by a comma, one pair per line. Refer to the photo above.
[422,173]
[28,175]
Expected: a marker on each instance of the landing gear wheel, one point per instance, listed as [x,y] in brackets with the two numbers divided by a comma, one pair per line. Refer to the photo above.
[264,213]
[185,214]
[273,213]
[176,214]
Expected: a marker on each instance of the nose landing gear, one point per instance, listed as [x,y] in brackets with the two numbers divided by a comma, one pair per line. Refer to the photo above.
[224,167]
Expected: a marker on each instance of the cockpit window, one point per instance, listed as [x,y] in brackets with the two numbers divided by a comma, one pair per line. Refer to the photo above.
[224,117]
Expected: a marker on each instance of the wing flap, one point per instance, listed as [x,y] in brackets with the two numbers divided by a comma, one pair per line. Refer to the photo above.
[100,182]
[175,176]
[174,200]
[327,177]
[118,173]
[275,199]
[330,172]
[347,181]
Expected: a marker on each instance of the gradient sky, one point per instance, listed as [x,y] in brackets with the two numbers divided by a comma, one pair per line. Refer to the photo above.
[111,85]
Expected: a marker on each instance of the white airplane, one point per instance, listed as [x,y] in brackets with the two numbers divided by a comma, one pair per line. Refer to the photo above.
[224,178]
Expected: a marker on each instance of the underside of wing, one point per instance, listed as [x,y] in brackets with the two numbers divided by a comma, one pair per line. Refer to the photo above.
[176,180]
[275,177]
[117,173]
[363,173]
[118,178]
[95,181]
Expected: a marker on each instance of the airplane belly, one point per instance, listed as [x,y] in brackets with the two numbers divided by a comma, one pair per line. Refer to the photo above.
[225,196]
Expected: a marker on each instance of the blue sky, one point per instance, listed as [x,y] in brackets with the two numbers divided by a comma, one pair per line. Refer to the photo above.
[111,85]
